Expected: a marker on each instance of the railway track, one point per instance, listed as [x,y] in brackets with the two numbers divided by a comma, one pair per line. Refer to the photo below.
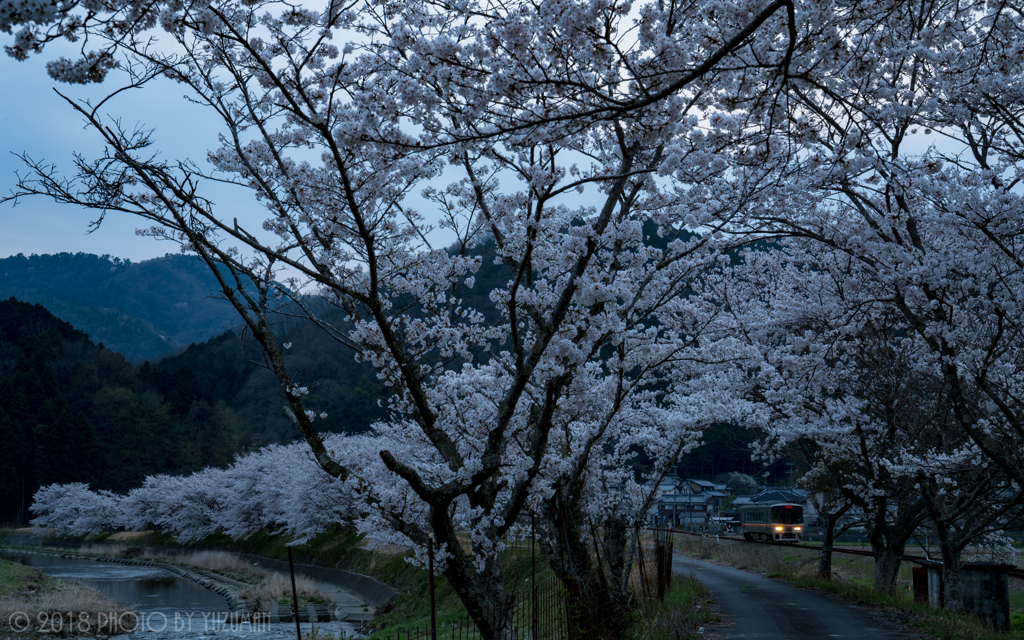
[1013,573]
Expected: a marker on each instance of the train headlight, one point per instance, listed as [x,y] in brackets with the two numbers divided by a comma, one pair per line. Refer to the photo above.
[797,528]
[778,528]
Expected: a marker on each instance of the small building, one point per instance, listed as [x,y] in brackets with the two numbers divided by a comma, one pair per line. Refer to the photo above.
[687,503]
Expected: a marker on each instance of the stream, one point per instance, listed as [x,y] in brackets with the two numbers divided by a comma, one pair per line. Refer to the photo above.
[148,589]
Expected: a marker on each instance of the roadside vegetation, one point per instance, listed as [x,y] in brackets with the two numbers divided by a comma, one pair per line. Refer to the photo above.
[682,616]
[409,610]
[853,579]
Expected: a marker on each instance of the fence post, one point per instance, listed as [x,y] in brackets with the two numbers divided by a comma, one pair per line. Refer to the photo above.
[295,596]
[433,603]
[659,552]
[533,575]
[643,572]
[668,562]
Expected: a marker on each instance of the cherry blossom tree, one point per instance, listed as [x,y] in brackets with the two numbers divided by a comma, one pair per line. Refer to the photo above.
[895,169]
[844,380]
[74,510]
[907,166]
[968,504]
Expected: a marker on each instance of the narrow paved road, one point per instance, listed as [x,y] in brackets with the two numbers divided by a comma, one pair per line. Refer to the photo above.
[757,608]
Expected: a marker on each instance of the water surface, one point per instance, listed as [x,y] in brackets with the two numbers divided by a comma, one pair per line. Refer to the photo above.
[149,589]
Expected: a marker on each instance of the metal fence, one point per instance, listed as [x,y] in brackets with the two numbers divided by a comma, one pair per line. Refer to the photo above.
[540,614]
[540,611]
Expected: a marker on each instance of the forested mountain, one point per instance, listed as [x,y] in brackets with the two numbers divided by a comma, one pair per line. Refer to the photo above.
[74,411]
[228,369]
[139,309]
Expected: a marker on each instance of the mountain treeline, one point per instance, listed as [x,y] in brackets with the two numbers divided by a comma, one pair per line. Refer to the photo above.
[72,410]
[140,309]
[229,369]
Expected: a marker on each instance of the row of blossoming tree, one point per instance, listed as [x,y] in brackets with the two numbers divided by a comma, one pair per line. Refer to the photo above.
[279,488]
[614,156]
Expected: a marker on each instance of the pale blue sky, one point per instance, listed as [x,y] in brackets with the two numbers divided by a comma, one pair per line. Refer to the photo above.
[34,119]
[38,121]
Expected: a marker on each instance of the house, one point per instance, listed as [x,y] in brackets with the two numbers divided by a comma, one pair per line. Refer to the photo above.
[686,503]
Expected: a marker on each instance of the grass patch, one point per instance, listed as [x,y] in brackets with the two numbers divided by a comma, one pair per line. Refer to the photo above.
[315,633]
[853,581]
[278,586]
[334,550]
[17,579]
[1017,604]
[682,616]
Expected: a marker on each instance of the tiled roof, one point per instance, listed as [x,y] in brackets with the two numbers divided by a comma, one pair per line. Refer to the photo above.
[775,495]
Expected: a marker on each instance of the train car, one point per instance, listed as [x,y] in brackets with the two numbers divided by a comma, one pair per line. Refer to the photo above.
[772,522]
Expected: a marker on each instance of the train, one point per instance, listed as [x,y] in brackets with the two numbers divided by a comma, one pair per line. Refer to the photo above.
[782,522]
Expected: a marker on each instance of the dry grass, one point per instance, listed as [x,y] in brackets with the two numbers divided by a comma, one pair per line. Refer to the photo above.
[65,595]
[760,558]
[216,561]
[70,610]
[222,562]
[266,585]
[130,537]
[31,600]
[789,562]
[103,549]
[277,586]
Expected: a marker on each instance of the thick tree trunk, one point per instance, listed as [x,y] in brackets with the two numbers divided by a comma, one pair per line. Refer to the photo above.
[952,585]
[830,518]
[483,594]
[593,608]
[888,551]
[616,543]
[888,558]
[890,530]
[592,612]
[827,543]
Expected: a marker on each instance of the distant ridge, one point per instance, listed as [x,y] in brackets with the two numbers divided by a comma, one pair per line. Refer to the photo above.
[142,310]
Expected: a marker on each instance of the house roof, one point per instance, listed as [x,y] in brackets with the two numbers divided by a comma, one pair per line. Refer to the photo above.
[686,498]
[774,495]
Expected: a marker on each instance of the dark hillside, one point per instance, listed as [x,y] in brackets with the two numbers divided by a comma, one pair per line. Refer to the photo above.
[228,369]
[74,411]
[142,310]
